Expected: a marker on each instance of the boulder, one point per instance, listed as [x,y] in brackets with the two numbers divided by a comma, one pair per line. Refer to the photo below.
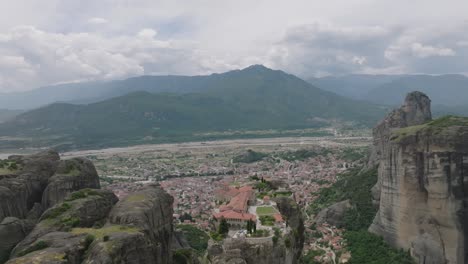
[12,231]
[334,214]
[122,247]
[71,175]
[55,247]
[19,192]
[84,208]
[150,210]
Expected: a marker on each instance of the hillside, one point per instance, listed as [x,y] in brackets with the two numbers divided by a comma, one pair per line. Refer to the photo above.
[253,98]
[355,86]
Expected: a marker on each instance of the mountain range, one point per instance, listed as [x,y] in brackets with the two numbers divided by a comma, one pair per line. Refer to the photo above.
[143,110]
[448,92]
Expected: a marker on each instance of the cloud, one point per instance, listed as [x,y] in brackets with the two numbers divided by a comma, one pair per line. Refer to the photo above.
[326,49]
[423,51]
[321,49]
[147,33]
[101,40]
[97,21]
[30,57]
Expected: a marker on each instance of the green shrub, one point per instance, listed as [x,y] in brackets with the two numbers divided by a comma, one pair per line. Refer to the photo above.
[249,157]
[83,193]
[355,186]
[57,211]
[196,238]
[89,239]
[267,220]
[369,248]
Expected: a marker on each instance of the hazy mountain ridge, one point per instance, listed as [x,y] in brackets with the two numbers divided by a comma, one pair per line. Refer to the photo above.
[448,91]
[6,114]
[253,98]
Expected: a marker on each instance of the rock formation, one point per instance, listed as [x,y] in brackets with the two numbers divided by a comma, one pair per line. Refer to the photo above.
[52,211]
[71,175]
[334,214]
[421,191]
[287,250]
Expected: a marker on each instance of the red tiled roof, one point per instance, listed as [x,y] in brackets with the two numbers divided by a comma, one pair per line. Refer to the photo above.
[278,218]
[235,215]
[239,202]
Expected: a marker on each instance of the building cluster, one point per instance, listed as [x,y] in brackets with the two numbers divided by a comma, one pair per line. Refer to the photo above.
[235,212]
[328,240]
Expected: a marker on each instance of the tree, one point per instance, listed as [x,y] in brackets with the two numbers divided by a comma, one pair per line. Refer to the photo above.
[249,227]
[185,216]
[223,227]
[254,226]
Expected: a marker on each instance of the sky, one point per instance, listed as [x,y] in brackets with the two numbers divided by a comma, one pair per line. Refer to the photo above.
[46,42]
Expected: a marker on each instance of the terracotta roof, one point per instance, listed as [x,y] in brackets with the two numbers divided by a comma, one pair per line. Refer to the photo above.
[239,202]
[235,215]
[278,218]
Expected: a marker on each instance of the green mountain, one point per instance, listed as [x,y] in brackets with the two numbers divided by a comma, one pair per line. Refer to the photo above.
[250,99]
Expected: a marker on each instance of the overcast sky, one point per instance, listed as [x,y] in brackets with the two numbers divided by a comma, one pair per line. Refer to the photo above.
[46,42]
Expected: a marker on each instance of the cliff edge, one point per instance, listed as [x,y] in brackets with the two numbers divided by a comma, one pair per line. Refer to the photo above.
[421,189]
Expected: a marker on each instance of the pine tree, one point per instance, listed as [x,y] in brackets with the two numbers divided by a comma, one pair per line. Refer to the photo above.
[223,227]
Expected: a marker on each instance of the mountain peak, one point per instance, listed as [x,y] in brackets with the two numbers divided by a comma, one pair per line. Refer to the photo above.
[257,67]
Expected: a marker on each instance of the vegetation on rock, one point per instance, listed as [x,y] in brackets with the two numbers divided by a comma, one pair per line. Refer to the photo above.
[365,247]
[435,126]
[196,238]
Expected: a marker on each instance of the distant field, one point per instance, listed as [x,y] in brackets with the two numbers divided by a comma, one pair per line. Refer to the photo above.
[266,210]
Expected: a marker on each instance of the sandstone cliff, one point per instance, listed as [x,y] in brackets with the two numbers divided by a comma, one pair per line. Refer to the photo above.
[422,188]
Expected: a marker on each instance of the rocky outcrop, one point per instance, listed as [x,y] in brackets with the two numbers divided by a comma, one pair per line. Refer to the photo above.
[423,170]
[150,210]
[415,110]
[84,208]
[71,175]
[21,190]
[12,231]
[53,212]
[123,246]
[334,214]
[287,250]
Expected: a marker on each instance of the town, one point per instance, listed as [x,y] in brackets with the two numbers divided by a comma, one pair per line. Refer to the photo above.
[211,181]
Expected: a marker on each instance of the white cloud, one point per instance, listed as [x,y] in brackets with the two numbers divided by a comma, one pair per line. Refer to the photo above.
[424,51]
[147,33]
[31,57]
[106,39]
[97,21]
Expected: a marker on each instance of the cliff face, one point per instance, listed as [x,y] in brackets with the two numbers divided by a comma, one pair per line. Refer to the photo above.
[52,211]
[423,170]
[150,210]
[287,250]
